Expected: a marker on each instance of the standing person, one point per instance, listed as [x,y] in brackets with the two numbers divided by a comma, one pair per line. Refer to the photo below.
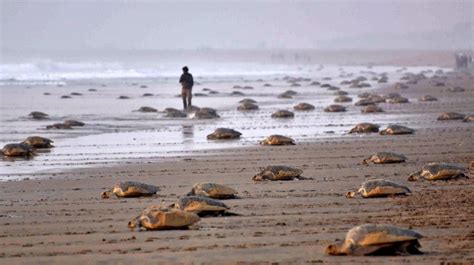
[187,83]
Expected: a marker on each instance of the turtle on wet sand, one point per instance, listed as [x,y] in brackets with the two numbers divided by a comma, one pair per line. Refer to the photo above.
[450,116]
[18,150]
[202,206]
[379,188]
[468,118]
[277,139]
[38,115]
[73,123]
[129,189]
[174,113]
[364,102]
[224,133]
[427,98]
[396,100]
[147,109]
[206,113]
[371,109]
[60,126]
[395,129]
[365,127]
[212,190]
[246,105]
[248,100]
[303,106]
[38,142]
[275,173]
[342,98]
[438,171]
[163,218]
[283,114]
[385,158]
[377,239]
[335,108]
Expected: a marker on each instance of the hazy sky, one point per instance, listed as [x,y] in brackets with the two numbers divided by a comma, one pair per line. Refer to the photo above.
[218,24]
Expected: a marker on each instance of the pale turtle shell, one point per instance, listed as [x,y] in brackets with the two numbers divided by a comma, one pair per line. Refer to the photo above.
[212,190]
[160,217]
[386,158]
[303,106]
[469,118]
[200,205]
[246,105]
[396,129]
[278,173]
[283,114]
[450,116]
[365,127]
[427,98]
[224,133]
[335,108]
[18,150]
[439,171]
[381,188]
[371,109]
[38,142]
[131,189]
[277,139]
[342,98]
[206,113]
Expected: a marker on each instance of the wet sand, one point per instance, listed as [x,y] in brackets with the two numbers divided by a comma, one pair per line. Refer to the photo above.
[62,219]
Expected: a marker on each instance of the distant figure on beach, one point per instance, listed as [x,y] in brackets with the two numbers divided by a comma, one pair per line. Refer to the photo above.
[187,83]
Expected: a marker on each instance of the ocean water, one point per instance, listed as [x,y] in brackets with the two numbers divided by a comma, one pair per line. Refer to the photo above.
[116,133]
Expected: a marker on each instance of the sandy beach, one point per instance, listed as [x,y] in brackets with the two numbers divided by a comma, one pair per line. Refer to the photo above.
[58,216]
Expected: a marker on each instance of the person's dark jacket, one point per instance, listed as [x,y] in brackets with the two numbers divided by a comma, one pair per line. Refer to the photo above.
[187,78]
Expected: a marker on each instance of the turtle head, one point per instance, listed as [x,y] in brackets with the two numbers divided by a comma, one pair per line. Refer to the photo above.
[257,177]
[414,176]
[106,194]
[134,223]
[350,194]
[364,162]
[191,193]
[334,249]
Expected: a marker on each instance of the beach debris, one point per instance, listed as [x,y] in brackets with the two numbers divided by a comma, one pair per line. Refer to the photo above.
[303,106]
[212,190]
[468,118]
[247,105]
[59,126]
[371,109]
[18,150]
[129,189]
[147,109]
[342,98]
[438,171]
[38,115]
[379,188]
[365,127]
[335,108]
[276,139]
[174,113]
[38,142]
[163,218]
[450,116]
[275,173]
[206,113]
[202,206]
[372,239]
[224,133]
[73,123]
[395,129]
[340,93]
[427,98]
[283,114]
[385,158]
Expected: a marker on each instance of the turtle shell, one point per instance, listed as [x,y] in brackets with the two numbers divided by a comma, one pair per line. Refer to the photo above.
[147,109]
[450,116]
[396,100]
[438,171]
[160,218]
[200,205]
[248,100]
[131,189]
[277,139]
[38,142]
[38,115]
[386,158]
[278,173]
[246,105]
[335,108]
[18,150]
[59,126]
[396,129]
[371,109]
[342,98]
[303,106]
[283,114]
[206,113]
[224,133]
[213,190]
[427,98]
[469,118]
[381,188]
[365,128]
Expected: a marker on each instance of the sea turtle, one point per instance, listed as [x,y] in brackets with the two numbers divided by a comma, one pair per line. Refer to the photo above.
[61,126]
[147,109]
[385,158]
[174,113]
[342,98]
[372,109]
[200,95]
[468,118]
[123,97]
[278,173]
[76,94]
[427,98]
[456,89]
[277,139]
[237,93]
[224,133]
[248,100]
[381,239]
[283,114]
[65,96]
[364,95]
[38,142]
[391,95]
[212,190]
[73,123]
[438,171]
[450,116]
[284,95]
[147,95]
[395,129]
[290,92]
[202,206]
[396,100]
[335,108]
[365,127]
[376,98]
[364,102]
[131,189]
[247,106]
[379,188]
[38,115]
[161,218]
[333,88]
[303,106]
[18,150]
[401,86]
[340,93]
[206,113]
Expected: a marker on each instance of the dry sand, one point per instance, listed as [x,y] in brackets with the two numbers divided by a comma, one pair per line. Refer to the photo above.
[62,219]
